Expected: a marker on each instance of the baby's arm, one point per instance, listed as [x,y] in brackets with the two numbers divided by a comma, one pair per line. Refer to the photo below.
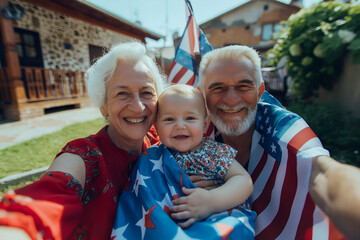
[200,203]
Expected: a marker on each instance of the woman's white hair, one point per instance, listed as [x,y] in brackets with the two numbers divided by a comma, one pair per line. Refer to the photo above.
[102,70]
[234,52]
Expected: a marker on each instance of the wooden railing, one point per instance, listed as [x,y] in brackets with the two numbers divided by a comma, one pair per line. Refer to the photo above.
[5,94]
[49,84]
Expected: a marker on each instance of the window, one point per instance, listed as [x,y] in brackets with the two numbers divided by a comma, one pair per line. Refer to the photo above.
[2,53]
[270,30]
[96,52]
[28,48]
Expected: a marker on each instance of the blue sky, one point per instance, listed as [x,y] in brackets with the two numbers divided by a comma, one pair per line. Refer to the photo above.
[166,17]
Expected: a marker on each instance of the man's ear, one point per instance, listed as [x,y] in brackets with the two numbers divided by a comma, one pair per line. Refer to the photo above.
[261,90]
[202,93]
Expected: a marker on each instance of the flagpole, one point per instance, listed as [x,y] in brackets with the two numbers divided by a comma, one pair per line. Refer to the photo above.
[166,33]
[184,67]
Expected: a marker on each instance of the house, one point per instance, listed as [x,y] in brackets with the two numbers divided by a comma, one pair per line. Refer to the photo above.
[164,57]
[47,46]
[254,24]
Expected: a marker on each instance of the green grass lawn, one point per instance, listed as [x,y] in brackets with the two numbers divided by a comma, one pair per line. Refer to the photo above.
[39,152]
[4,188]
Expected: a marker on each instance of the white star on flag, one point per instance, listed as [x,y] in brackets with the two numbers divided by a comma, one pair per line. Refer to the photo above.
[267,120]
[145,221]
[139,181]
[180,234]
[274,133]
[118,233]
[172,190]
[166,202]
[141,223]
[273,147]
[157,164]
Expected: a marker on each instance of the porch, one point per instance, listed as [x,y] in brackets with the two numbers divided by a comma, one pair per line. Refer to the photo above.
[58,35]
[44,90]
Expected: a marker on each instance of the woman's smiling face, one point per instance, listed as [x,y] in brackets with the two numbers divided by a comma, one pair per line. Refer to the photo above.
[130,103]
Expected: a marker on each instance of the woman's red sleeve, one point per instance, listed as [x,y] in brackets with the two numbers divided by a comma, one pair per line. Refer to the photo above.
[43,207]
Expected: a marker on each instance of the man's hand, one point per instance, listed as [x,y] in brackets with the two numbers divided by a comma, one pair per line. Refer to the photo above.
[334,187]
[193,207]
[201,183]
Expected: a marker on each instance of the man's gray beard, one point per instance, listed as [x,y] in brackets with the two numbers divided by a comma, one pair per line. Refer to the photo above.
[237,128]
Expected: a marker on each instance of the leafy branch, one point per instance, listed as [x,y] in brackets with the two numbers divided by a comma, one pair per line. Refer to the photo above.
[315,42]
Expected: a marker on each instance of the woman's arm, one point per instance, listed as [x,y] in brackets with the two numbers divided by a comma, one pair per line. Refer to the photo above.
[335,188]
[66,162]
[200,203]
[72,164]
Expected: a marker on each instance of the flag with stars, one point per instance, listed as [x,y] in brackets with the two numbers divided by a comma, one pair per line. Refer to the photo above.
[280,166]
[143,209]
[184,67]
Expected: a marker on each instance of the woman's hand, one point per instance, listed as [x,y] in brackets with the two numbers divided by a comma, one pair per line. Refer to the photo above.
[201,183]
[192,207]
[10,233]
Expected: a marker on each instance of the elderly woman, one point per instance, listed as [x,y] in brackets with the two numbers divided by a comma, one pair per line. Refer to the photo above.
[77,197]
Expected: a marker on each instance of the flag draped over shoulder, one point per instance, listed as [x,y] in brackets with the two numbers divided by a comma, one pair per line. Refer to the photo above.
[280,166]
[184,67]
[143,209]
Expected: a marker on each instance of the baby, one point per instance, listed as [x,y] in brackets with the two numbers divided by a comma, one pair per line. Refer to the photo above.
[181,122]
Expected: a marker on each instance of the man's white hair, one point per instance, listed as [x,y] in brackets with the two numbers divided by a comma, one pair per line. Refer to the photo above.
[98,75]
[234,52]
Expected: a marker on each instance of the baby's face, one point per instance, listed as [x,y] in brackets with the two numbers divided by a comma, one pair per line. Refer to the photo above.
[180,122]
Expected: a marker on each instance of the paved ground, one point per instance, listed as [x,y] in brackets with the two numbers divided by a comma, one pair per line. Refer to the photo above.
[16,132]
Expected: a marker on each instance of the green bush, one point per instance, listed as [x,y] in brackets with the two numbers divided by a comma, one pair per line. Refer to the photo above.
[315,41]
[338,132]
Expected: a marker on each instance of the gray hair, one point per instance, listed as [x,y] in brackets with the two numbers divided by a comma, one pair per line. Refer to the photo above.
[98,75]
[234,52]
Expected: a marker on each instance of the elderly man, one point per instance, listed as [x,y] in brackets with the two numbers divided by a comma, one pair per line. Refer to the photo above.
[276,146]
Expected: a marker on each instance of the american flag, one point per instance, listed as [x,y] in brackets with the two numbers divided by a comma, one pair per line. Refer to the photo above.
[184,67]
[280,165]
[143,209]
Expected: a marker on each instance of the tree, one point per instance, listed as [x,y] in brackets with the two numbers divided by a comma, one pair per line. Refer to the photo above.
[315,42]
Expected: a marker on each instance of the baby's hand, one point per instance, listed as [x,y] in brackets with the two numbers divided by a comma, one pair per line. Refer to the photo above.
[193,207]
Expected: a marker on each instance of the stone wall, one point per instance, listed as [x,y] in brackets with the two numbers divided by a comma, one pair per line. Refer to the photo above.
[57,30]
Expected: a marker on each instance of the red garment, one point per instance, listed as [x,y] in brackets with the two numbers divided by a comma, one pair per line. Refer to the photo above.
[53,207]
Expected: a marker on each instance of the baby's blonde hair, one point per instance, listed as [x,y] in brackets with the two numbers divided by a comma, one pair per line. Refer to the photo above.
[184,91]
